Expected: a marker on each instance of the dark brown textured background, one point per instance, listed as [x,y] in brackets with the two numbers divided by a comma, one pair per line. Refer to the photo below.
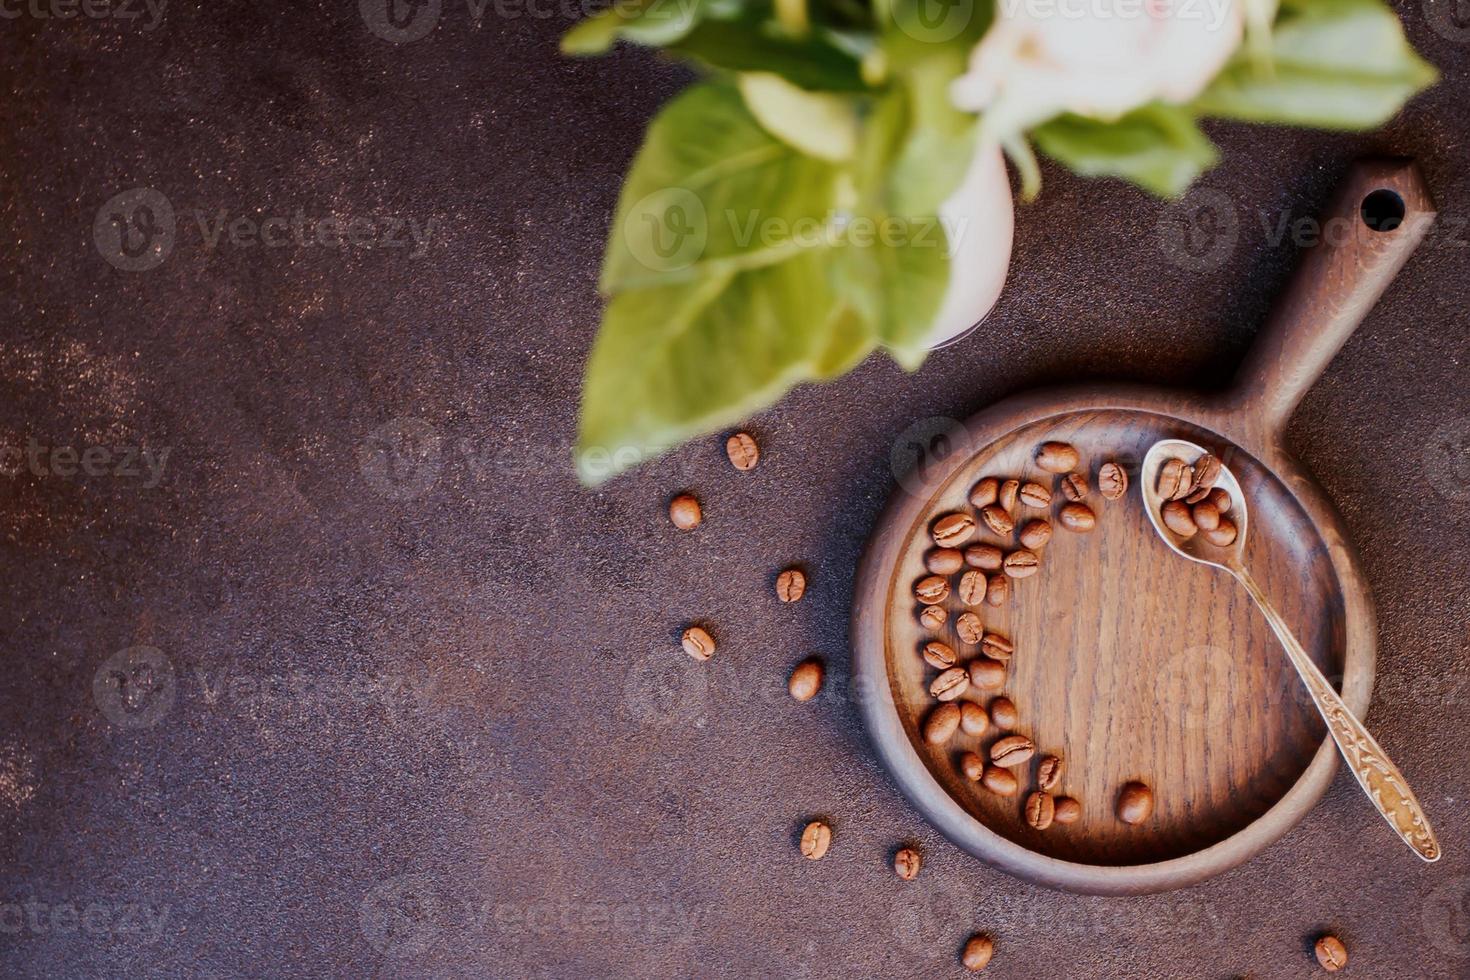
[452,735]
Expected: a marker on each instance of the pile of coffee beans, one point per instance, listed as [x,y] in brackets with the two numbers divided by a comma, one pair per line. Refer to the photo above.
[1192,503]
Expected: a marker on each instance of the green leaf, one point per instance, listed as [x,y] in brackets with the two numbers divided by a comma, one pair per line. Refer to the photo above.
[751,44]
[654,23]
[1158,147]
[1337,64]
[819,124]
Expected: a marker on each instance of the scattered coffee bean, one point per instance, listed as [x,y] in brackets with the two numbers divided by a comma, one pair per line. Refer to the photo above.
[685,513]
[906,864]
[978,951]
[950,684]
[1041,809]
[1049,772]
[1178,519]
[1036,534]
[1223,535]
[941,723]
[1206,515]
[972,765]
[1003,712]
[1013,750]
[1220,497]
[806,679]
[1172,479]
[999,590]
[953,529]
[1135,803]
[997,647]
[944,561]
[1206,472]
[1074,486]
[938,655]
[1022,564]
[999,781]
[1057,457]
[969,628]
[791,585]
[1331,953]
[698,643]
[932,589]
[987,674]
[973,720]
[984,493]
[1112,481]
[743,451]
[1077,517]
[1068,810]
[815,840]
[933,617]
[972,587]
[997,519]
[1035,495]
[984,556]
[1009,492]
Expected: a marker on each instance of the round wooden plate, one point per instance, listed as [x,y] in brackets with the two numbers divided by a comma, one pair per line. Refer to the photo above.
[1132,663]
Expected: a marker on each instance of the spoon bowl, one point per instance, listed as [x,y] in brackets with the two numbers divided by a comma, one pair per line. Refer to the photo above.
[1195,547]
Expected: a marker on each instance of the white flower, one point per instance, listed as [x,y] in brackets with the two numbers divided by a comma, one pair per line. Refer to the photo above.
[1097,58]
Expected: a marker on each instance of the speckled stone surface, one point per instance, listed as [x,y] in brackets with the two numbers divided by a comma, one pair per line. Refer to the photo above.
[432,721]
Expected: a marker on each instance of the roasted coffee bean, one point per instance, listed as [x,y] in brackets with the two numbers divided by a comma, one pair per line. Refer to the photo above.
[1056,457]
[978,951]
[1135,803]
[997,647]
[806,679]
[987,674]
[1171,478]
[997,519]
[1074,486]
[950,684]
[938,655]
[1206,472]
[1041,809]
[1186,483]
[698,643]
[791,585]
[1196,497]
[1009,492]
[969,628]
[906,864]
[972,587]
[1035,495]
[1013,750]
[933,617]
[1331,953]
[973,720]
[1068,810]
[1223,535]
[1004,714]
[1206,515]
[1022,564]
[999,781]
[1178,519]
[931,589]
[685,513]
[1220,497]
[998,591]
[944,561]
[815,840]
[743,451]
[941,723]
[1036,534]
[953,529]
[984,493]
[1112,481]
[1077,517]
[972,765]
[1049,772]
[984,556]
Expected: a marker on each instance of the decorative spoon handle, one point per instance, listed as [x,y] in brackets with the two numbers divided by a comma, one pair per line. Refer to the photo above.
[1376,773]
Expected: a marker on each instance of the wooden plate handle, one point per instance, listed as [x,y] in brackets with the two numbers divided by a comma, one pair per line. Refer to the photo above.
[1359,250]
